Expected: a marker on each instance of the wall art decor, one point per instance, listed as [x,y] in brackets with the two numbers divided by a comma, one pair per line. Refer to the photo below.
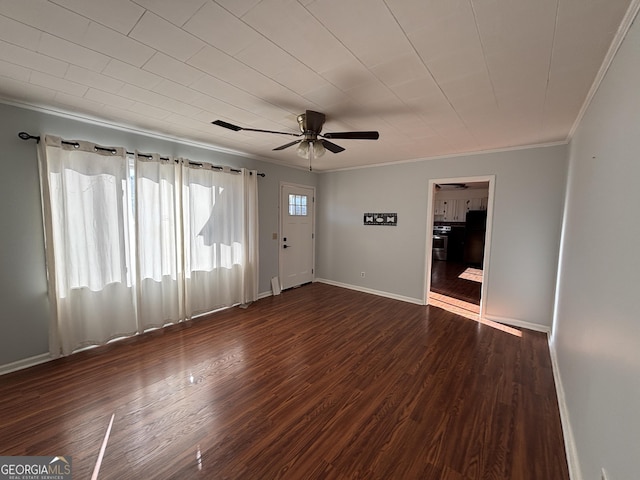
[386,219]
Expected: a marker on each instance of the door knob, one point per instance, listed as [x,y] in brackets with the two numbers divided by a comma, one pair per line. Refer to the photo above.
[285,246]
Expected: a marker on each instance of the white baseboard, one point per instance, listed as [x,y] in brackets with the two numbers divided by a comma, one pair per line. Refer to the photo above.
[380,293]
[569,442]
[24,363]
[536,327]
[265,294]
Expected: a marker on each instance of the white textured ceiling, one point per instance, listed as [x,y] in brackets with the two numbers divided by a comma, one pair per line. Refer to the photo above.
[433,77]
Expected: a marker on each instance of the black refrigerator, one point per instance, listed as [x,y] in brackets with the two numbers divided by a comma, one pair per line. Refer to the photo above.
[475,229]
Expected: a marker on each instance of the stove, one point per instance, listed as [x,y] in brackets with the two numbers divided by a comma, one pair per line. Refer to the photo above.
[440,241]
[441,229]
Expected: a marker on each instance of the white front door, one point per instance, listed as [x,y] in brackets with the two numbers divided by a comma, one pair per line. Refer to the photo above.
[296,235]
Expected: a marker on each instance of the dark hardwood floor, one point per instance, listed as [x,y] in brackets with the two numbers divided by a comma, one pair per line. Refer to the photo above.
[319,382]
[445,280]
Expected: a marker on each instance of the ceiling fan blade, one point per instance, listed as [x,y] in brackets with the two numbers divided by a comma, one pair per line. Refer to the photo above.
[236,128]
[314,121]
[230,126]
[282,147]
[353,135]
[332,147]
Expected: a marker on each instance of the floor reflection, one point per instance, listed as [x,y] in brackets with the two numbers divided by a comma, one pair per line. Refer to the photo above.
[468,310]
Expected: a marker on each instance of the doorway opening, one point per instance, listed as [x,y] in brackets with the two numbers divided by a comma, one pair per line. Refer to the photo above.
[458,244]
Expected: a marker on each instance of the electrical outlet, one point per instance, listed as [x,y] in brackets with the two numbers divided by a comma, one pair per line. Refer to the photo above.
[604,475]
[362,274]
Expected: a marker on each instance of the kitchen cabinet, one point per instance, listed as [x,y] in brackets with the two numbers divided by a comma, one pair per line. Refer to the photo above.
[447,214]
[477,203]
[440,207]
[452,206]
[456,210]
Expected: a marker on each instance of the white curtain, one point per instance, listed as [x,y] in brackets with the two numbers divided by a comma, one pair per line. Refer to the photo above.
[250,241]
[86,218]
[132,247]
[220,212]
[159,243]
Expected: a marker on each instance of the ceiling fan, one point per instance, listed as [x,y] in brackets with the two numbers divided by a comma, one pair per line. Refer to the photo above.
[313,142]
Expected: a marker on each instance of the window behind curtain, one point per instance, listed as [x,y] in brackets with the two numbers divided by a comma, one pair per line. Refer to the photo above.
[192,249]
[87,221]
[159,245]
[215,232]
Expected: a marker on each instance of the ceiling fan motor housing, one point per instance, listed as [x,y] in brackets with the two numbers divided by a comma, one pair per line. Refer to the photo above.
[311,124]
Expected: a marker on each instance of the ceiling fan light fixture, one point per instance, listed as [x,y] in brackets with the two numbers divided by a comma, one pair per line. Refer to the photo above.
[306,145]
[303,149]
[318,149]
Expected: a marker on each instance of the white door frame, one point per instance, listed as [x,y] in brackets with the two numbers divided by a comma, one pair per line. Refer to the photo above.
[313,239]
[487,239]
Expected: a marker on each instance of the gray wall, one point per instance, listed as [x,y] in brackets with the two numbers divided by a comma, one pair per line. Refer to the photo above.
[597,329]
[25,312]
[527,219]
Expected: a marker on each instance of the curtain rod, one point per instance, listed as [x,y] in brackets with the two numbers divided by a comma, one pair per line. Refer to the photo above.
[27,136]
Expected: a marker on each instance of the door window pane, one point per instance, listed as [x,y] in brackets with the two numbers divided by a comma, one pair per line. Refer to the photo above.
[298,205]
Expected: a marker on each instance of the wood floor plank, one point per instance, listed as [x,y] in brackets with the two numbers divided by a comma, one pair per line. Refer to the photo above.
[318,382]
